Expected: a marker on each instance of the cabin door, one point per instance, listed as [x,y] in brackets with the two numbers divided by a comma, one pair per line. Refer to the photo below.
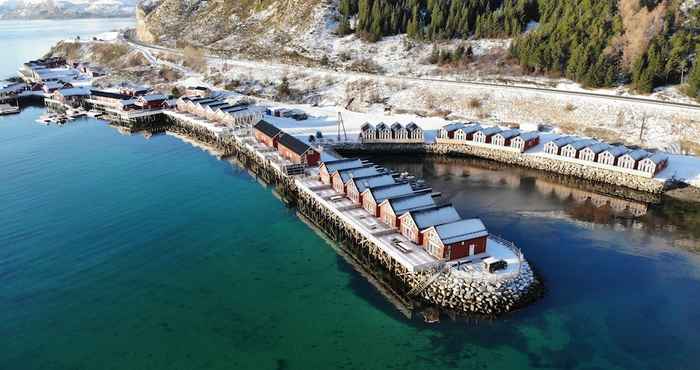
[471,249]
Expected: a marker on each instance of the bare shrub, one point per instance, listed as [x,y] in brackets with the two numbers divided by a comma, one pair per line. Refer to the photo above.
[195,59]
[474,103]
[169,74]
[366,66]
[136,60]
[569,107]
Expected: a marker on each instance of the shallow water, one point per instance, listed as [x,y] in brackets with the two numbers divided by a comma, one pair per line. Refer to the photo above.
[124,252]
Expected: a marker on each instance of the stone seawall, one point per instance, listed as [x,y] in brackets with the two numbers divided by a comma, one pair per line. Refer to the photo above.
[535,162]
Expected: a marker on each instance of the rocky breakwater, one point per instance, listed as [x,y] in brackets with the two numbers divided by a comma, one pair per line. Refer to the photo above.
[538,162]
[480,296]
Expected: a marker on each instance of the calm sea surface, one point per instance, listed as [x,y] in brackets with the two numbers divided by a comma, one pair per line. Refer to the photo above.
[120,252]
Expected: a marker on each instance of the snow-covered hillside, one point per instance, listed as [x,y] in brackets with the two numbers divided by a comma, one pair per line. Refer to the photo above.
[37,9]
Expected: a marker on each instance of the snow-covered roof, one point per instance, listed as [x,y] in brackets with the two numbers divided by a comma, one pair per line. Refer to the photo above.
[580,144]
[155,97]
[412,126]
[382,126]
[470,129]
[365,182]
[490,131]
[507,134]
[599,147]
[657,157]
[529,135]
[341,164]
[74,91]
[637,154]
[380,193]
[617,151]
[127,102]
[453,126]
[457,231]
[346,175]
[564,140]
[409,202]
[428,217]
[396,126]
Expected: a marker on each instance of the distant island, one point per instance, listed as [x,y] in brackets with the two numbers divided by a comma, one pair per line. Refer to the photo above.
[65,9]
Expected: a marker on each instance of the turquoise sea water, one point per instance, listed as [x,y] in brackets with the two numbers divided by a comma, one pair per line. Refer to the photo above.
[118,252]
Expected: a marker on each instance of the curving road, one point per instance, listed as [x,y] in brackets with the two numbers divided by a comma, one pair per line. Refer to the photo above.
[277,66]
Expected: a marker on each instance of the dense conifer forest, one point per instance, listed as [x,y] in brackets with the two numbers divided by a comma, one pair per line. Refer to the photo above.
[600,43]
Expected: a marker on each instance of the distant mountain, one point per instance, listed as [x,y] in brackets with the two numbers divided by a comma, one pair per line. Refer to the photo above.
[42,9]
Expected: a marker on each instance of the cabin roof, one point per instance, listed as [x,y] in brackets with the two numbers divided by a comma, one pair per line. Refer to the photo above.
[396,126]
[453,126]
[109,94]
[471,128]
[382,126]
[341,164]
[599,147]
[412,126]
[155,97]
[267,128]
[580,144]
[365,182]
[490,131]
[617,151]
[290,142]
[637,154]
[409,202]
[507,134]
[529,135]
[74,91]
[382,192]
[458,231]
[433,216]
[366,126]
[657,157]
[368,170]
[564,140]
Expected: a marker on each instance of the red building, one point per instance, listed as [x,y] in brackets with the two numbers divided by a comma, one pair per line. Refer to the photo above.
[151,101]
[414,223]
[390,209]
[328,168]
[357,185]
[297,151]
[456,240]
[340,179]
[377,194]
[266,133]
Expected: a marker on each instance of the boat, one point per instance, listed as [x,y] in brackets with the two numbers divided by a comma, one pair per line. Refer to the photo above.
[6,109]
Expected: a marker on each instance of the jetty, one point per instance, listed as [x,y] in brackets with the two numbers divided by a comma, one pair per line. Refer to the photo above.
[457,266]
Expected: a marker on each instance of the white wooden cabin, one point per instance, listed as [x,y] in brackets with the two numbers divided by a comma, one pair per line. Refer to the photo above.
[484,135]
[590,153]
[571,150]
[609,156]
[554,147]
[630,160]
[367,132]
[653,164]
[503,138]
[525,141]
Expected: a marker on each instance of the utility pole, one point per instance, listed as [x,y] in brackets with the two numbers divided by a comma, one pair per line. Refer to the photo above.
[641,129]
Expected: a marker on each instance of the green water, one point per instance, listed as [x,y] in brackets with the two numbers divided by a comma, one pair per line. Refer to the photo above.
[118,252]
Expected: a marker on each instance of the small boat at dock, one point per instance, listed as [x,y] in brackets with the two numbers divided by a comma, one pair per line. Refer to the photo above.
[6,109]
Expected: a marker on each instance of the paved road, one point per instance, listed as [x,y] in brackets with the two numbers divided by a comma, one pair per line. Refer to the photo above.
[466,84]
